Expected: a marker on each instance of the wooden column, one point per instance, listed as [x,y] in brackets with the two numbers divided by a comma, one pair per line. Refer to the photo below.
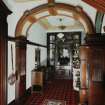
[20,69]
[84,55]
[3,53]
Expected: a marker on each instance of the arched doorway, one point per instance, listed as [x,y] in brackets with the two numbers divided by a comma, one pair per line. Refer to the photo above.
[32,16]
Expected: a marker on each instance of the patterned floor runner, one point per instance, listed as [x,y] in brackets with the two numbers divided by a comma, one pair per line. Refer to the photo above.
[57,90]
[54,102]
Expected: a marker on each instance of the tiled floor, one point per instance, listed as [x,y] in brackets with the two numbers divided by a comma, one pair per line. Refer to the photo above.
[58,90]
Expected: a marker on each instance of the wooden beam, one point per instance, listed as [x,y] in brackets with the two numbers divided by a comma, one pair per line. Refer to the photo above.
[35,44]
[27,42]
[32,19]
[98,4]
[51,1]
[4,12]
[52,11]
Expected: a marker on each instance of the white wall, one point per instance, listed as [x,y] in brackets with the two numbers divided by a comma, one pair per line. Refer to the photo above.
[43,56]
[31,62]
[12,22]
[36,34]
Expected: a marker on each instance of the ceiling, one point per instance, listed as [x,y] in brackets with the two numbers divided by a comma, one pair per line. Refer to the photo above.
[60,23]
[60,20]
[51,22]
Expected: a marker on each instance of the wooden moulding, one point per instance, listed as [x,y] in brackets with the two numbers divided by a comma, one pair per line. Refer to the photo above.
[24,41]
[95,39]
[4,12]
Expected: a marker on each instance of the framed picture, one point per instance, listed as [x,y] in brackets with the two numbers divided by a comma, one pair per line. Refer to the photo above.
[37,56]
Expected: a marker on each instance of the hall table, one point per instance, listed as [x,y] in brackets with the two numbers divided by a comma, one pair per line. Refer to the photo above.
[37,80]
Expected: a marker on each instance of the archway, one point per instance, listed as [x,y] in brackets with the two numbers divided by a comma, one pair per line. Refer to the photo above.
[31,16]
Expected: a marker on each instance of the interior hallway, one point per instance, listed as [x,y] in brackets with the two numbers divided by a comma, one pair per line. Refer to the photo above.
[25,25]
[58,89]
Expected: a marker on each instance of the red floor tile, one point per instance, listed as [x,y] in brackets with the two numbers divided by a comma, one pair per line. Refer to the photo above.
[58,90]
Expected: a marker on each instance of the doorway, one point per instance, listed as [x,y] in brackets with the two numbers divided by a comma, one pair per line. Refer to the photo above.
[36,14]
[63,53]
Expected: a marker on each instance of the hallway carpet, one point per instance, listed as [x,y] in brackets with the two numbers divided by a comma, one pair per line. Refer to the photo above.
[55,90]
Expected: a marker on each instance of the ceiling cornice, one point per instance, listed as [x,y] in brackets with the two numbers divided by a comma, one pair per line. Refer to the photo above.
[4,9]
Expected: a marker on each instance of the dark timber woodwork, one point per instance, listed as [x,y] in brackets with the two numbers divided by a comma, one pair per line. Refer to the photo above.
[93,53]
[32,19]
[27,95]
[98,4]
[51,1]
[26,42]
[20,70]
[96,88]
[48,50]
[52,11]
[3,52]
[84,56]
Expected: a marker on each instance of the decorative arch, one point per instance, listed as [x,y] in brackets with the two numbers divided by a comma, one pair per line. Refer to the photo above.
[31,16]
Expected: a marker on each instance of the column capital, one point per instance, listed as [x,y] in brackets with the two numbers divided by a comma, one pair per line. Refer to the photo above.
[21,41]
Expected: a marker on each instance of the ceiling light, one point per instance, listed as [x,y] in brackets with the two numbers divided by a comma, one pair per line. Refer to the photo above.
[60,35]
[61,22]
[61,26]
